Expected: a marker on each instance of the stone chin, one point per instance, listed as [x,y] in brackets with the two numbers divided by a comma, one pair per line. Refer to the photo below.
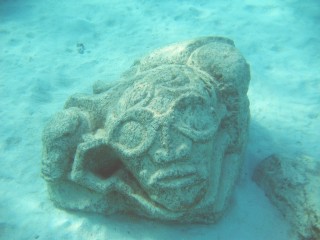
[177,189]
[175,198]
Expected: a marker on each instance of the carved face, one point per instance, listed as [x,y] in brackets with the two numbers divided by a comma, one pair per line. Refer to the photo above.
[165,137]
[165,141]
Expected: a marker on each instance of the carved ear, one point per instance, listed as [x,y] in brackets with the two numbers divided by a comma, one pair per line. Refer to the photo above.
[225,63]
[60,138]
[177,53]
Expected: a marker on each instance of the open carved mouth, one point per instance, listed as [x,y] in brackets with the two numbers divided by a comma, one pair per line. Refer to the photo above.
[94,165]
[98,159]
[102,161]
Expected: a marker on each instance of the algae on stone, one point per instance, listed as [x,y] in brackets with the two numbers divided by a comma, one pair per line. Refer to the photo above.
[166,141]
[293,186]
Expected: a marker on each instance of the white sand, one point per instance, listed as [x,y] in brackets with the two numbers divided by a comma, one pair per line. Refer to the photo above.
[40,66]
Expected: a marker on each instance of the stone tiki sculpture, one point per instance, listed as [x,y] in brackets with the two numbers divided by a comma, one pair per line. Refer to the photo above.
[165,142]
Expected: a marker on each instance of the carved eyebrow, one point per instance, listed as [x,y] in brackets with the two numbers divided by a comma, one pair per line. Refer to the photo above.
[176,81]
[190,96]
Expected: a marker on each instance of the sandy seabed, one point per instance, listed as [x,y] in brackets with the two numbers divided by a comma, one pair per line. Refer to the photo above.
[52,49]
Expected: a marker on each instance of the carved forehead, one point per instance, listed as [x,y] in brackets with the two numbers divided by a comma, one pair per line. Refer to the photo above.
[161,87]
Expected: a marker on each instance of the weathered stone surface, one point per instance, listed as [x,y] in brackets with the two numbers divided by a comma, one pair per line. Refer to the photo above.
[166,141]
[293,186]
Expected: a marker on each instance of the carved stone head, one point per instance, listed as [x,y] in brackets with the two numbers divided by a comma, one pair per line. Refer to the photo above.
[165,141]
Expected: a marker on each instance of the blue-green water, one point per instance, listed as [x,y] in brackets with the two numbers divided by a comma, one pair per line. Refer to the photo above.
[51,49]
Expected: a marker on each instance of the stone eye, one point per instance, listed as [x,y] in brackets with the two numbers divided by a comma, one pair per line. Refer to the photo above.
[134,132]
[195,118]
[130,134]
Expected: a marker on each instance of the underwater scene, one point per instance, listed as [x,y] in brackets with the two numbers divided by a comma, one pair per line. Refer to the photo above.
[154,120]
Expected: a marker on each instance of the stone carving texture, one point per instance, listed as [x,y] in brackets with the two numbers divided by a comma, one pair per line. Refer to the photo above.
[166,141]
[293,186]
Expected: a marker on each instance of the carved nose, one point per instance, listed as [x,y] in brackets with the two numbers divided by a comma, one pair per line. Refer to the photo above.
[171,147]
[164,155]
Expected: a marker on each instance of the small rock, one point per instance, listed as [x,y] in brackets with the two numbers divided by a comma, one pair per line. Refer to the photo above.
[81,48]
[293,186]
